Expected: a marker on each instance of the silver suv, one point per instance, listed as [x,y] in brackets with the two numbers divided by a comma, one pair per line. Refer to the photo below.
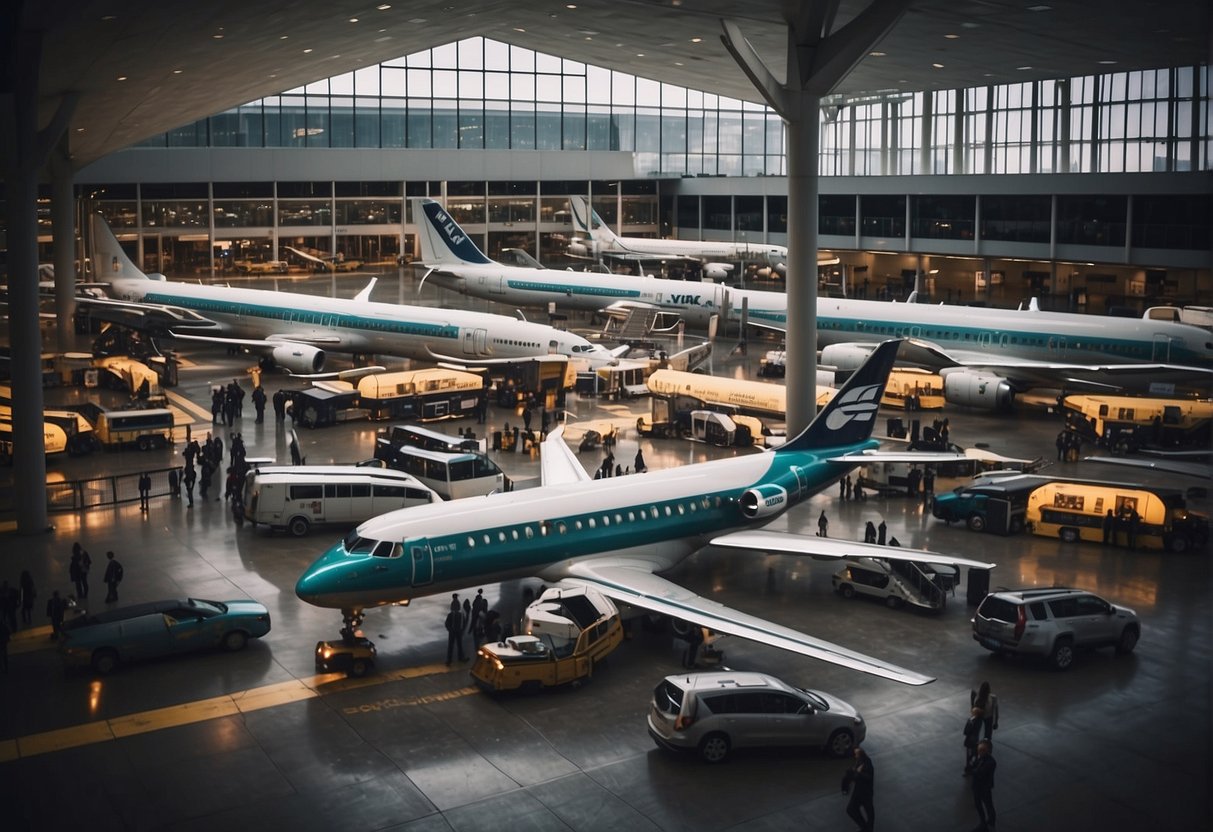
[1052,622]
[713,713]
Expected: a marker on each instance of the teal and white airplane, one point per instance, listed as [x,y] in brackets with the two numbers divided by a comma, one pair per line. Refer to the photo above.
[296,330]
[617,534]
[455,262]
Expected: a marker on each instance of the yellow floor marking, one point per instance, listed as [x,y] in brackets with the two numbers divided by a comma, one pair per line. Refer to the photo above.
[240,702]
[199,412]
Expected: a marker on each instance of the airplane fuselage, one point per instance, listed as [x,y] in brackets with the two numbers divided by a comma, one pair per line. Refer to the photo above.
[357,326]
[658,517]
[699,249]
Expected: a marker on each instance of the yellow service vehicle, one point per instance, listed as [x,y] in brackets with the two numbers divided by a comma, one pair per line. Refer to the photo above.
[1122,514]
[567,632]
[1125,424]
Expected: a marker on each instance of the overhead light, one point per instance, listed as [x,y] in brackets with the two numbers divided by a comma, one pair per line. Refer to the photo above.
[307,51]
[416,21]
[79,129]
[1023,68]
[383,7]
[121,77]
[587,37]
[696,40]
[639,54]
[937,66]
[1107,63]
[353,20]
[284,37]
[519,29]
[678,63]
[570,5]
[951,36]
[217,36]
[877,54]
[178,71]
[1040,8]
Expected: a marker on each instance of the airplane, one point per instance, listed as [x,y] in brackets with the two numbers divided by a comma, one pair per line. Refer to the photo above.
[295,330]
[455,262]
[617,534]
[602,241]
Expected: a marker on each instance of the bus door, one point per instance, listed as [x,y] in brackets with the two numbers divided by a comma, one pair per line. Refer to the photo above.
[423,562]
[475,341]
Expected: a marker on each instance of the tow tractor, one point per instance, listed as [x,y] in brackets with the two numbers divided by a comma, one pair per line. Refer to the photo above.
[566,632]
[353,656]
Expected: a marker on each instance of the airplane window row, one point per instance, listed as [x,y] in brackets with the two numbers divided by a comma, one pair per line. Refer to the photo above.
[514,343]
[561,526]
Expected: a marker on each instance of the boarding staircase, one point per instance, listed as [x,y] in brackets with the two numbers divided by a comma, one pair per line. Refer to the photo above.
[637,326]
[918,585]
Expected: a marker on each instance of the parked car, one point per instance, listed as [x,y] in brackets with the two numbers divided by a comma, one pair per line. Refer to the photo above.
[713,713]
[896,583]
[1052,623]
[161,628]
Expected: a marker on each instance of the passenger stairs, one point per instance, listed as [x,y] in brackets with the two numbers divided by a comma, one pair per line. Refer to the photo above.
[637,326]
[920,586]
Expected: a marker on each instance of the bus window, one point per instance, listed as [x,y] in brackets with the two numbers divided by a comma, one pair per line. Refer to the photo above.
[360,490]
[307,492]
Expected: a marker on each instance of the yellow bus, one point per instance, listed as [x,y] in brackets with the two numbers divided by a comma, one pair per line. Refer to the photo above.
[1124,424]
[432,393]
[146,429]
[1141,517]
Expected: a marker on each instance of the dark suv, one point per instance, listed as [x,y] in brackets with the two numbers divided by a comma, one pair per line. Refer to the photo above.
[1052,622]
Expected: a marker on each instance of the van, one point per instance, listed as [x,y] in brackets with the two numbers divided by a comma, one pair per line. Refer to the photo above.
[297,497]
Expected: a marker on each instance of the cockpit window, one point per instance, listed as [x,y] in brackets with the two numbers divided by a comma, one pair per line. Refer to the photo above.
[387,549]
[355,545]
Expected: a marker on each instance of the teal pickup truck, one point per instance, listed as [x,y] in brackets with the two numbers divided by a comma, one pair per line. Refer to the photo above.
[996,503]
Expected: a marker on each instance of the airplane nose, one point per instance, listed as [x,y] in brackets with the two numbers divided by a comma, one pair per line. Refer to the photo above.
[322,579]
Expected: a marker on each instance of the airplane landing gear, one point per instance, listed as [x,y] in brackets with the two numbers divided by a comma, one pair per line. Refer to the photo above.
[353,655]
[353,620]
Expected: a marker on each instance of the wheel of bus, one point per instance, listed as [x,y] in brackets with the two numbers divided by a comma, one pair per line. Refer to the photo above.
[144,443]
[298,526]
[976,522]
[847,591]
[1068,534]
[1177,543]
[1062,654]
[1016,525]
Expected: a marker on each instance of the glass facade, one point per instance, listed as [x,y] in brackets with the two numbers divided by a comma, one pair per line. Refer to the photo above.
[483,94]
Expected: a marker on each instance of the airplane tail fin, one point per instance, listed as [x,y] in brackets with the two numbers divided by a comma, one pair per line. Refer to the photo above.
[110,262]
[851,415]
[586,221]
[445,243]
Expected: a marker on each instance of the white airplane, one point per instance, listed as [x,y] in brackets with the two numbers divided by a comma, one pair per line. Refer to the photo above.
[617,534]
[601,240]
[455,262]
[296,330]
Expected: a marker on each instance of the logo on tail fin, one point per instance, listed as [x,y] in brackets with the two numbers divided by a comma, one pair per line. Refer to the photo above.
[858,405]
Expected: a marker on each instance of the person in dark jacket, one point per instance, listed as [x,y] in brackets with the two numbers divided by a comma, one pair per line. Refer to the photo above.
[454,630]
[859,782]
[112,577]
[881,531]
[972,733]
[56,609]
[869,532]
[983,786]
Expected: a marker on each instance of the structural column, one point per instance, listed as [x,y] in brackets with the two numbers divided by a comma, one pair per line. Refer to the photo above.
[63,226]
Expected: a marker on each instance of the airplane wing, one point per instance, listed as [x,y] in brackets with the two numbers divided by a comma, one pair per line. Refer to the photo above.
[558,463]
[1200,470]
[145,317]
[829,548]
[866,457]
[270,342]
[632,582]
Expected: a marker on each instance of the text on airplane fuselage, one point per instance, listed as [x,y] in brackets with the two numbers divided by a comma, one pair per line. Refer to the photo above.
[690,300]
[449,228]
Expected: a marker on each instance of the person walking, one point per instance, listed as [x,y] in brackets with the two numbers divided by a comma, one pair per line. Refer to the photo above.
[638,464]
[869,532]
[847,486]
[881,531]
[972,732]
[842,488]
[983,786]
[988,702]
[479,608]
[113,577]
[56,609]
[823,524]
[145,490]
[859,782]
[454,631]
[75,571]
[188,480]
[174,484]
[27,594]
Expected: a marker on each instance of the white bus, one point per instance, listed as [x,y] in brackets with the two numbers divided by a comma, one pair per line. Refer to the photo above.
[452,475]
[297,497]
[144,428]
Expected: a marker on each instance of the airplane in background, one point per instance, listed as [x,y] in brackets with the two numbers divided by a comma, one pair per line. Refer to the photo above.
[295,330]
[455,262]
[717,257]
[617,534]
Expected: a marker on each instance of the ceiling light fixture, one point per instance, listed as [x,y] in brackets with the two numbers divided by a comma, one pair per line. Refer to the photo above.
[217,36]
[877,54]
[570,5]
[937,66]
[951,36]
[1040,8]
[383,7]
[1023,68]
[178,71]
[696,40]
[283,37]
[307,51]
[121,77]
[639,54]
[353,20]
[1107,63]
[519,29]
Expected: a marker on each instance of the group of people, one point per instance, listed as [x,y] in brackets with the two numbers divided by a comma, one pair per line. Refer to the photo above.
[609,468]
[1126,521]
[227,403]
[1069,446]
[859,780]
[847,491]
[472,617]
[201,463]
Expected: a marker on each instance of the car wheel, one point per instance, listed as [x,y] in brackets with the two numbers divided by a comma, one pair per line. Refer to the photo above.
[1069,535]
[1062,655]
[234,641]
[105,661]
[840,743]
[1016,525]
[892,602]
[359,668]
[1177,543]
[847,591]
[1128,640]
[714,747]
[298,526]
[977,523]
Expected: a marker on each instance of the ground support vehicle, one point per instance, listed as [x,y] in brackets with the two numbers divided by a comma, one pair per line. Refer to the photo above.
[353,656]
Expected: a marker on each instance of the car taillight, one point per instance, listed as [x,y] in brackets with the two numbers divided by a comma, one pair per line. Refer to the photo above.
[683,722]
[1021,621]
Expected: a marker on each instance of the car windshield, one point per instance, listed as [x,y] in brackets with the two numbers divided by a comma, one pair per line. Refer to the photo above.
[815,700]
[209,606]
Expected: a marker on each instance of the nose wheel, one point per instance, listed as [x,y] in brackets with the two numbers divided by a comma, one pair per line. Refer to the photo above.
[352,619]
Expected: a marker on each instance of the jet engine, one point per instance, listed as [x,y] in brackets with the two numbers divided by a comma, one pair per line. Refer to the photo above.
[584,248]
[298,358]
[763,501]
[845,356]
[717,271]
[973,389]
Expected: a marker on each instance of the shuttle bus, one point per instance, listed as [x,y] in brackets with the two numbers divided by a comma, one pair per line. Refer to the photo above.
[145,429]
[1074,510]
[1124,424]
[426,439]
[452,475]
[296,497]
[433,393]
